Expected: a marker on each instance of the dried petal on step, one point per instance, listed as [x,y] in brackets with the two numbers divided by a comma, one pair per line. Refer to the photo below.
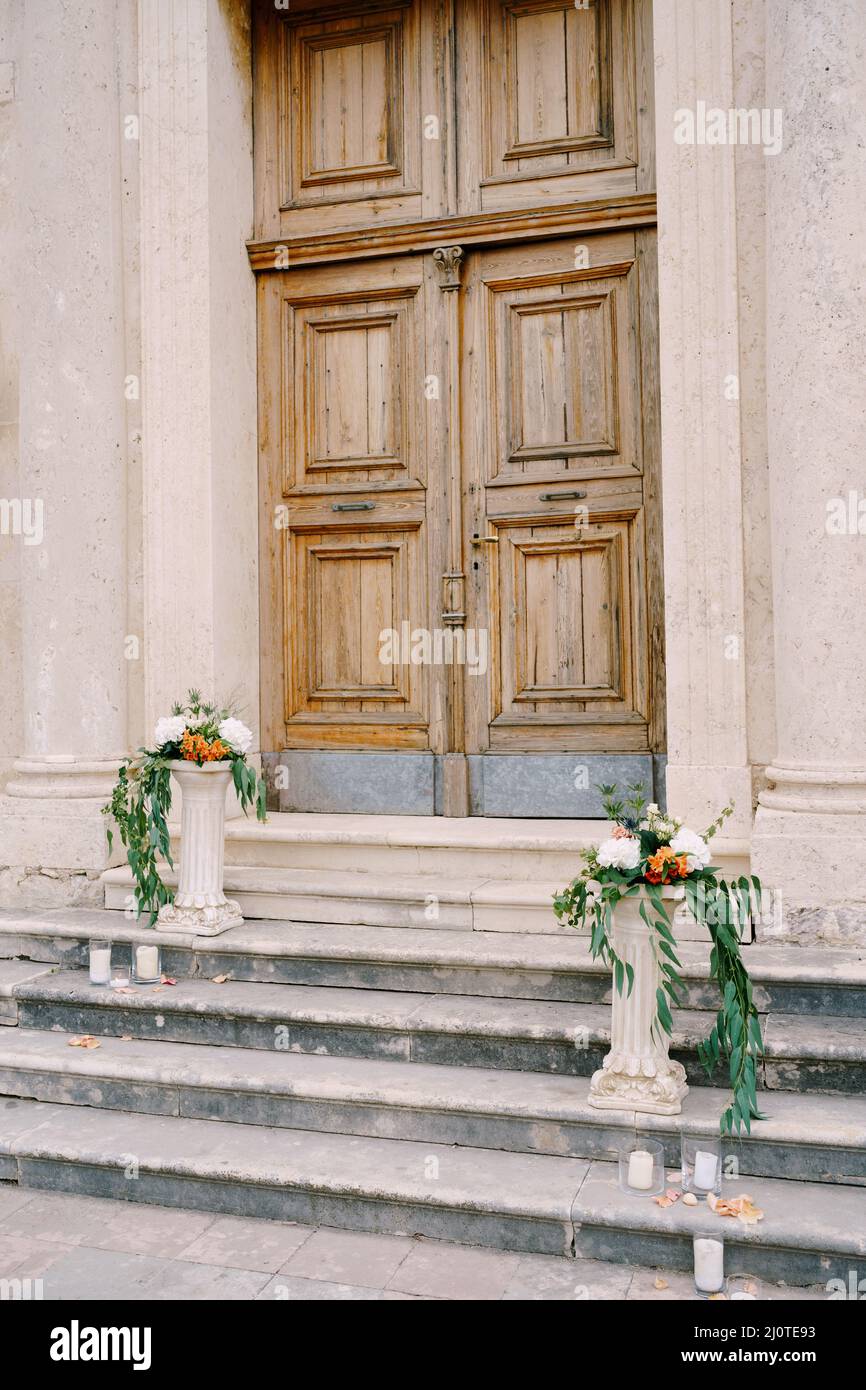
[750,1287]
[668,1198]
[689,1199]
[712,1201]
[124,989]
[749,1214]
[125,1037]
[167,980]
[220,979]
[660,1283]
[85,1041]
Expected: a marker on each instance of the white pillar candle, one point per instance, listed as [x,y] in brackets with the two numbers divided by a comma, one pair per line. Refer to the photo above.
[147,962]
[709,1264]
[706,1166]
[100,965]
[640,1169]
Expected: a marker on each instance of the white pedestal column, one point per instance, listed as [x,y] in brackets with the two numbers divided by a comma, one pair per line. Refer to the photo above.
[637,1073]
[810,831]
[200,905]
[72,453]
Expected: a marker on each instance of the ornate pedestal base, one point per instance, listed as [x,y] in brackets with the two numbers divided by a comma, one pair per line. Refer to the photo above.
[637,1073]
[200,905]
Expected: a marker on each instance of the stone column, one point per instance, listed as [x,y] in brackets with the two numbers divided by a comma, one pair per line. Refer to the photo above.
[810,831]
[72,451]
[708,761]
[200,479]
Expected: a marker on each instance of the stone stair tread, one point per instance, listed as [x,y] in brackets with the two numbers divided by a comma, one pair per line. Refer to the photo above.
[792,1117]
[829,1223]
[506,950]
[818,1217]
[475,1015]
[392,1169]
[17,972]
[817,1036]
[473,832]
[340,883]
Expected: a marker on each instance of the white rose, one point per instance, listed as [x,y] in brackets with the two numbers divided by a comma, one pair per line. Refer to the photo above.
[236,735]
[171,729]
[697,850]
[622,853]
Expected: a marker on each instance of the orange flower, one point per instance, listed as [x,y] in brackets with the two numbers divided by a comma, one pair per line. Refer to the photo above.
[664,865]
[196,749]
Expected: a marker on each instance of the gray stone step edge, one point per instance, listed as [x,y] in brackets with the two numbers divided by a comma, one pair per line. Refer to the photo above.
[794,980]
[805,1138]
[517,1202]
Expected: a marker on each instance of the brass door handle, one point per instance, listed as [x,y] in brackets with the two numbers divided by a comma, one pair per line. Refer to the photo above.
[485,540]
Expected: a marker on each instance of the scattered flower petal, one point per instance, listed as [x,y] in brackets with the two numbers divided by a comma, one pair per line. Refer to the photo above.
[220,979]
[689,1199]
[167,980]
[85,1041]
[660,1284]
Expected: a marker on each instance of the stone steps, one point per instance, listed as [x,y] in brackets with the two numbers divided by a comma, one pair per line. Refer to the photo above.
[500,965]
[472,874]
[802,1052]
[354,897]
[531,1202]
[804,1137]
[474,846]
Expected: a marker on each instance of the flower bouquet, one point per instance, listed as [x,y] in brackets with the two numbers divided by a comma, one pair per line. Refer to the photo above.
[652,858]
[197,734]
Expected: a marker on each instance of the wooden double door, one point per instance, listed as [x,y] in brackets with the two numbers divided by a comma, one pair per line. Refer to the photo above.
[461,586]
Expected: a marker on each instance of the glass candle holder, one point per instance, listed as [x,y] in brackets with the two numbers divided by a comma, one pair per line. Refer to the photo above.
[701,1164]
[145,963]
[642,1167]
[709,1254]
[121,965]
[99,962]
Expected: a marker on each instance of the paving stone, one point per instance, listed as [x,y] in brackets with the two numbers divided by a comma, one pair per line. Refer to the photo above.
[109,1225]
[439,1271]
[25,1256]
[286,1288]
[246,1244]
[12,1198]
[544,1278]
[350,1257]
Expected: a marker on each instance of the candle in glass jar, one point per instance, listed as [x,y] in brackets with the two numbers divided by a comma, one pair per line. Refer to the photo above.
[640,1169]
[709,1264]
[147,962]
[706,1166]
[100,963]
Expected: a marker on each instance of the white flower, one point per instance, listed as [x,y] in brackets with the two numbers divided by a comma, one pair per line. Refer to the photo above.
[236,735]
[620,853]
[170,729]
[593,890]
[698,851]
[652,809]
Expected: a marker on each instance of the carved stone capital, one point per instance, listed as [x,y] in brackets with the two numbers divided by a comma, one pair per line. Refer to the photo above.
[449,263]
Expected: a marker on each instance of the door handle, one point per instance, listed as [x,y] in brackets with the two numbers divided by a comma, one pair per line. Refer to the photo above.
[485,540]
[555,496]
[352,506]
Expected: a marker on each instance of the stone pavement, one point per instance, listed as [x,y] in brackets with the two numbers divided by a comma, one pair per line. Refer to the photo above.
[84,1248]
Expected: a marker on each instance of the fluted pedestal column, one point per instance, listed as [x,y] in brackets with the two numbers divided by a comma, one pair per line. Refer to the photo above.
[200,905]
[810,829]
[637,1073]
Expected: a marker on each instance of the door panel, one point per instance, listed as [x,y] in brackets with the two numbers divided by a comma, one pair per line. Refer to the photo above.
[555,461]
[358,553]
